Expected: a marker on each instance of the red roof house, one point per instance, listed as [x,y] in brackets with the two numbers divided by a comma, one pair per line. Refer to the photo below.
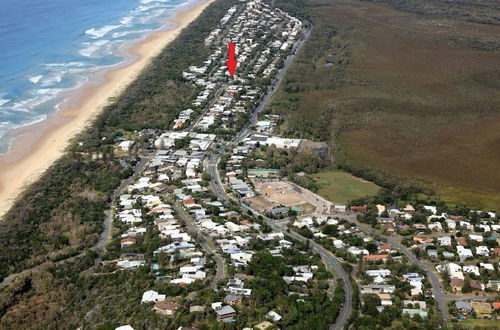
[374,257]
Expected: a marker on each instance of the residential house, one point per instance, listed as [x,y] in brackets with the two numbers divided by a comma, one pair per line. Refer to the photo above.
[273,316]
[448,255]
[409,209]
[475,284]
[125,327]
[457,284]
[463,307]
[413,311]
[378,272]
[377,288]
[264,325]
[152,296]
[432,209]
[166,307]
[476,237]
[384,248]
[482,251]
[380,209]
[233,299]
[462,241]
[432,253]
[451,224]
[225,313]
[464,253]
[454,270]
[376,257]
[359,208]
[436,226]
[493,285]
[444,241]
[415,303]
[126,242]
[423,240]
[471,269]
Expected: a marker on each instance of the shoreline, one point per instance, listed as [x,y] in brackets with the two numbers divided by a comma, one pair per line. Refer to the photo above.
[39,145]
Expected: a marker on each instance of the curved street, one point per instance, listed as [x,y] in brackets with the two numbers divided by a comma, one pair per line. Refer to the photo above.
[436,285]
[105,236]
[188,220]
[329,259]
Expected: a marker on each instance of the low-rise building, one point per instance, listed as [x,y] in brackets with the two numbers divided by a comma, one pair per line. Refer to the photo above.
[165,307]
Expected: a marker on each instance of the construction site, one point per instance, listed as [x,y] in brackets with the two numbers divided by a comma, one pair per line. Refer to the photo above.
[272,193]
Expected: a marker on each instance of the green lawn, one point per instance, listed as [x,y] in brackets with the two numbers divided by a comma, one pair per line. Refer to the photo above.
[470,324]
[341,187]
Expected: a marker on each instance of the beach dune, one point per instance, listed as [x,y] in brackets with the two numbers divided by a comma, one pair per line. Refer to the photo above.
[39,145]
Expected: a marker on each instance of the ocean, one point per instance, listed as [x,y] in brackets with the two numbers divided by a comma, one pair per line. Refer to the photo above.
[51,46]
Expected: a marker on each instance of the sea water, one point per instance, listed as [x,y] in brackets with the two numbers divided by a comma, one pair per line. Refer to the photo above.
[50,46]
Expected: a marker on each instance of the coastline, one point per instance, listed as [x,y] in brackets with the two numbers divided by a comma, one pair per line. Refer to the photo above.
[41,144]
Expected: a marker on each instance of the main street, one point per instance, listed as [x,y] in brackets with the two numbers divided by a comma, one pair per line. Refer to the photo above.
[276,82]
[330,260]
[217,188]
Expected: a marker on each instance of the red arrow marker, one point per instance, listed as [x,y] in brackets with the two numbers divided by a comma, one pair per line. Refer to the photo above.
[231,61]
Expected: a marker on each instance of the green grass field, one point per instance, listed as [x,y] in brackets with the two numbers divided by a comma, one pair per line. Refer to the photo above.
[341,187]
[471,324]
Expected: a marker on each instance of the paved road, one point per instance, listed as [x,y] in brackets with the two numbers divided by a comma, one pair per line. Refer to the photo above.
[279,78]
[108,222]
[213,160]
[277,81]
[331,262]
[105,236]
[439,296]
[188,220]
[436,285]
[215,181]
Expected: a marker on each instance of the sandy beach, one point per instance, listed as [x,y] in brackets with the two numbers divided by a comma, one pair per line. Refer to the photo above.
[39,145]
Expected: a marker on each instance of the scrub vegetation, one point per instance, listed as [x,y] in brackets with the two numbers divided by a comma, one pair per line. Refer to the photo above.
[406,92]
[63,212]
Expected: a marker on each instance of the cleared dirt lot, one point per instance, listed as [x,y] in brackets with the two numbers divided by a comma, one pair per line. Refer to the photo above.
[275,193]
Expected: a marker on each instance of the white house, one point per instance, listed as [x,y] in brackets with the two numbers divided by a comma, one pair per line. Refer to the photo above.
[435,226]
[126,145]
[444,241]
[272,315]
[452,224]
[378,272]
[476,237]
[152,296]
[431,208]
[464,253]
[482,251]
[454,270]
[471,269]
